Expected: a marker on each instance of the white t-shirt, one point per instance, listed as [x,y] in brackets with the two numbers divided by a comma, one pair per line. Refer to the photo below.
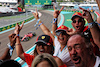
[63,55]
[97,63]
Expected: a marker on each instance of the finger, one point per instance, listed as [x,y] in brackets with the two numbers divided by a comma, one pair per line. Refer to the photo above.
[36,10]
[22,25]
[10,35]
[83,9]
[54,8]
[61,9]
[14,38]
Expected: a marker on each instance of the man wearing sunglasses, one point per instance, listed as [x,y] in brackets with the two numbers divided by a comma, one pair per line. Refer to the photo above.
[78,23]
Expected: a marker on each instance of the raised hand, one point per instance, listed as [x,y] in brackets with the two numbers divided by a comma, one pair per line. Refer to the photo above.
[36,14]
[57,12]
[87,15]
[18,28]
[12,38]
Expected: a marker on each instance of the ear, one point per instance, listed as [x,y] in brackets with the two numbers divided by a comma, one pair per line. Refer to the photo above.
[72,24]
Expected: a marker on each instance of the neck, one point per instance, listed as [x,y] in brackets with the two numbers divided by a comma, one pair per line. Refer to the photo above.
[62,47]
[91,61]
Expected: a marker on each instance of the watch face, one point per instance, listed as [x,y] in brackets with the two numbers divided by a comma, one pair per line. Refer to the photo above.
[90,25]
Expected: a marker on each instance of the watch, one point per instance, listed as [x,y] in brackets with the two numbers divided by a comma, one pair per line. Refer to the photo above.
[90,25]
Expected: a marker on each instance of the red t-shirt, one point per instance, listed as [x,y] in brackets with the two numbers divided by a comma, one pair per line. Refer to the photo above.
[29,58]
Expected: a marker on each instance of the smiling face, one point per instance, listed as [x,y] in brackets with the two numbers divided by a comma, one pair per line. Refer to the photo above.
[78,52]
[43,48]
[62,37]
[78,24]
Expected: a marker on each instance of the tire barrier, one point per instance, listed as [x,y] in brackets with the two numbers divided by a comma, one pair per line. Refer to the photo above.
[13,25]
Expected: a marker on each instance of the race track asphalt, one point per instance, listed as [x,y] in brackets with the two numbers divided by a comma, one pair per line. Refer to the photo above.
[46,18]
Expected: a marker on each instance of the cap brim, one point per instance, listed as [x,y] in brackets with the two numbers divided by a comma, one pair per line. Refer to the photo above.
[60,30]
[41,41]
[75,16]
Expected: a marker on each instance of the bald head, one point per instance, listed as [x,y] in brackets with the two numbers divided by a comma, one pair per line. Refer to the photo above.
[77,46]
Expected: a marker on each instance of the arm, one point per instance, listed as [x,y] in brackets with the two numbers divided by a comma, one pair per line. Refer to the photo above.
[42,26]
[95,31]
[19,49]
[55,15]
[8,52]
[6,55]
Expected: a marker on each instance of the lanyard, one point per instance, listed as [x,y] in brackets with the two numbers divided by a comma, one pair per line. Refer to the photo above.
[61,51]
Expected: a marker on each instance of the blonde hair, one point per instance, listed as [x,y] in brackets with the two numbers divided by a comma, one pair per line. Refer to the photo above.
[44,57]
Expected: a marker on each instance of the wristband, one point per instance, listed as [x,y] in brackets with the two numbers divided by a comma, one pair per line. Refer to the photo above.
[37,22]
[17,44]
[90,25]
[97,23]
[11,49]
[55,20]
[9,46]
[39,25]
[17,34]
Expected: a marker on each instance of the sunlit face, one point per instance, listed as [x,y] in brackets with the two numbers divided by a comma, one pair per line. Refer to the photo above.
[62,37]
[44,64]
[43,48]
[78,24]
[78,51]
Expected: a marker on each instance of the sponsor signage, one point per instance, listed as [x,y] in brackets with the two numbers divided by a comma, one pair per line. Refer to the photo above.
[38,2]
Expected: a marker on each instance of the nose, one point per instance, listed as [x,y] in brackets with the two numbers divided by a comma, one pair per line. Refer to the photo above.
[41,46]
[73,51]
[60,34]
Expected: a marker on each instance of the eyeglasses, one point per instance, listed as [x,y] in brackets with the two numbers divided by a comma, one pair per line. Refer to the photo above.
[61,32]
[80,20]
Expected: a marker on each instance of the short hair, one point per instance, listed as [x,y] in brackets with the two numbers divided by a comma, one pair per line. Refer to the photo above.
[10,63]
[44,57]
[86,39]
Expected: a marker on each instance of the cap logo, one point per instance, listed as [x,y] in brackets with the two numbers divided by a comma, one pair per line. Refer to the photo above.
[43,37]
[62,26]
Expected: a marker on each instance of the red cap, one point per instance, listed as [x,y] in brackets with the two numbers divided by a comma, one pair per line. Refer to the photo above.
[62,27]
[76,14]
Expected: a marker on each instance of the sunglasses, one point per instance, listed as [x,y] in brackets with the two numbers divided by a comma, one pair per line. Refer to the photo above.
[61,32]
[80,20]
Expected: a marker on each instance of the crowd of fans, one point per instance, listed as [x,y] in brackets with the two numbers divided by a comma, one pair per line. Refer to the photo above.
[64,47]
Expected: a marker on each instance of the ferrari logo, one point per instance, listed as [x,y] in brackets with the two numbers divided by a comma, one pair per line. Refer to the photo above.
[62,26]
[43,37]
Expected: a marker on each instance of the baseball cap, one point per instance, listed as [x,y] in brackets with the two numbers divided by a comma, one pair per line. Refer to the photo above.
[76,14]
[44,39]
[62,27]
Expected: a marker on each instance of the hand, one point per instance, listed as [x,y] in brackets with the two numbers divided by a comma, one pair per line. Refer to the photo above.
[18,28]
[70,31]
[87,15]
[36,14]
[12,38]
[57,12]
